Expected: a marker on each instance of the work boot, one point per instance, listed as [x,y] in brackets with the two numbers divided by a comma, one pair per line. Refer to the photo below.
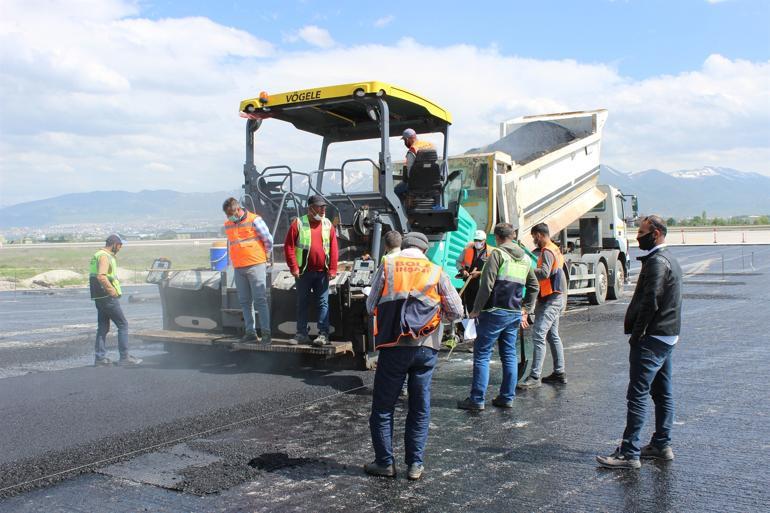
[560,379]
[373,469]
[502,403]
[468,404]
[103,362]
[322,340]
[650,452]
[249,338]
[129,360]
[415,471]
[618,460]
[299,339]
[531,382]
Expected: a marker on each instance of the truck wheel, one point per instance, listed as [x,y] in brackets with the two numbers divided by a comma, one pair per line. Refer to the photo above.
[616,290]
[600,286]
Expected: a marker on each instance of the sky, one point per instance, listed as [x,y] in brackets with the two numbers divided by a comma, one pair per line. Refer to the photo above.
[133,95]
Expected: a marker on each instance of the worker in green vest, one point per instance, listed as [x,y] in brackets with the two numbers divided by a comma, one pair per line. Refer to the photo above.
[105,293]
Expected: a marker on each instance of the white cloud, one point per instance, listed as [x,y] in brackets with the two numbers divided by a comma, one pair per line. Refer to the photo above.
[712,2]
[316,36]
[97,99]
[384,21]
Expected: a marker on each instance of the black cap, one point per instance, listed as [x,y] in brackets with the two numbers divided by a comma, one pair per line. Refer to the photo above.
[316,201]
[114,239]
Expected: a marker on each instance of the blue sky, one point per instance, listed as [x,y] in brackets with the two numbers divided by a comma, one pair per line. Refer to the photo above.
[642,38]
[132,95]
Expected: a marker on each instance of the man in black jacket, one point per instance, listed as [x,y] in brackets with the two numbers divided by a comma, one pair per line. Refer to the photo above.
[653,321]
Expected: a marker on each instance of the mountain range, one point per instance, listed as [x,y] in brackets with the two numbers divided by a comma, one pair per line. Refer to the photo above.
[719,191]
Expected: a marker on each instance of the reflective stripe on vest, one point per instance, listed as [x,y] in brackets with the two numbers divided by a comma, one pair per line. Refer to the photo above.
[244,245]
[305,240]
[508,290]
[97,290]
[410,305]
[552,283]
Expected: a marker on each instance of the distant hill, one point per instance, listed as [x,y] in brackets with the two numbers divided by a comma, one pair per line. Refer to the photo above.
[720,191]
[117,207]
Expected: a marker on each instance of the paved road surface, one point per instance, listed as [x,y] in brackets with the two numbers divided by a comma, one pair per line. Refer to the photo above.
[300,442]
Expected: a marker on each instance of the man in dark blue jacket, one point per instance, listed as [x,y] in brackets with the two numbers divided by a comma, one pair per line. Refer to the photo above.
[653,321]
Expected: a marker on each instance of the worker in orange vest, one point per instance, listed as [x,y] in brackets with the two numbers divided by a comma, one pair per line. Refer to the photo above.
[413,145]
[409,298]
[550,302]
[469,263]
[249,245]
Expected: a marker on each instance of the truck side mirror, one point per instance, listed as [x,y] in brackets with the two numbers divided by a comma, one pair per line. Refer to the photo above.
[635,206]
[454,175]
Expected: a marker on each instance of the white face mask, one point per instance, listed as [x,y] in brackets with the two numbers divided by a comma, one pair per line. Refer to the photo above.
[317,217]
[479,244]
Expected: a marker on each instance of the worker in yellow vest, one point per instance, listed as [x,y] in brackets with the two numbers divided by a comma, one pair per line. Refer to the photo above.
[105,293]
[410,297]
[249,245]
[310,249]
[413,146]
[550,302]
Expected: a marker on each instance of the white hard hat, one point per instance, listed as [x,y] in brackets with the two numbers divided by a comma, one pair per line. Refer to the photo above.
[480,235]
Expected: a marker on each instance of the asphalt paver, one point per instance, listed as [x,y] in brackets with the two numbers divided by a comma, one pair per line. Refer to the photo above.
[304,450]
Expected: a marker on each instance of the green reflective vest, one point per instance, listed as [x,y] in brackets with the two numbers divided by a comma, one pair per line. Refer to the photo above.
[97,290]
[304,240]
[508,290]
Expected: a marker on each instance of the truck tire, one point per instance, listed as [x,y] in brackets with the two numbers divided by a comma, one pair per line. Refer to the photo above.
[616,290]
[600,285]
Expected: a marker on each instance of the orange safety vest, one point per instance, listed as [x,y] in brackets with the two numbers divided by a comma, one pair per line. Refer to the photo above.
[467,259]
[410,305]
[421,145]
[552,283]
[245,247]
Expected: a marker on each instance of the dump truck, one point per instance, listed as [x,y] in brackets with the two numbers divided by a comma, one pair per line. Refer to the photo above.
[448,199]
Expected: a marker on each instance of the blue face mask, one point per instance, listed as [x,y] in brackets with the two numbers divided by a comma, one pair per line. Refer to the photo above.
[234,219]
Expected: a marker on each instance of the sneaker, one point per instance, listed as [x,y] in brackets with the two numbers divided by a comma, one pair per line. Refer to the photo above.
[249,337]
[560,379]
[467,404]
[502,403]
[618,460]
[531,382]
[373,469]
[299,339]
[266,341]
[129,360]
[650,452]
[102,362]
[322,340]
[415,471]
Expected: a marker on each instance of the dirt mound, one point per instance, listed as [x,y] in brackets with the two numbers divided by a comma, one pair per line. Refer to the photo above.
[51,278]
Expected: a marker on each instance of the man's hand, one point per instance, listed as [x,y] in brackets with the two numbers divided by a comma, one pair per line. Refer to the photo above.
[524,320]
[332,274]
[473,315]
[475,274]
[464,273]
[295,273]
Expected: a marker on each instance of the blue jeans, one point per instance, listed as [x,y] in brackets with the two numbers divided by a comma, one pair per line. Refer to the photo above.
[251,284]
[108,310]
[393,366]
[401,189]
[546,328]
[501,326]
[318,282]
[649,373]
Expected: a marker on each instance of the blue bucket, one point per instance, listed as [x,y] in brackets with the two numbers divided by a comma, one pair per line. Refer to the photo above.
[218,255]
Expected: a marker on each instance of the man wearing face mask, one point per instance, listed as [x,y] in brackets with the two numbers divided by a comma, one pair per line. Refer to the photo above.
[249,244]
[469,263]
[653,321]
[105,293]
[311,254]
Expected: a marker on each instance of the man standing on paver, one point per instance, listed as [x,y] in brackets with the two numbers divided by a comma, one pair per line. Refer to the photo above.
[105,292]
[501,305]
[653,321]
[249,244]
[409,298]
[550,303]
[310,249]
